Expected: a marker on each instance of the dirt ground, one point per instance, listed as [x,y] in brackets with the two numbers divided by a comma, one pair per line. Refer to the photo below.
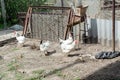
[29,63]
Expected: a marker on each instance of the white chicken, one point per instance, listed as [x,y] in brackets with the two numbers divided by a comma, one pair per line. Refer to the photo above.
[19,38]
[67,41]
[66,48]
[44,46]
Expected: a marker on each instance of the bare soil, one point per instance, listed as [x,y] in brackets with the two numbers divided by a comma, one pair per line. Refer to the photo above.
[29,63]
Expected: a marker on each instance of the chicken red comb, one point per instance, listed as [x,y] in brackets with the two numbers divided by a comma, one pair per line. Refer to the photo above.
[14,31]
[76,41]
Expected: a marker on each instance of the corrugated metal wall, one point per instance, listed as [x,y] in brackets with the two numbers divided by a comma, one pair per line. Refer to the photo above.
[102,30]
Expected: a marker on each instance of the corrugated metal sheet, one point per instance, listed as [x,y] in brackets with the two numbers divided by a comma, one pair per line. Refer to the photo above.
[102,30]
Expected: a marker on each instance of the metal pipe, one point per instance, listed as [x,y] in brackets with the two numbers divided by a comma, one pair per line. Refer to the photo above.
[113,25]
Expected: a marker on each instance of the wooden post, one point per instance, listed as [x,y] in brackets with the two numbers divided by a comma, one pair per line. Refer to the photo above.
[113,25]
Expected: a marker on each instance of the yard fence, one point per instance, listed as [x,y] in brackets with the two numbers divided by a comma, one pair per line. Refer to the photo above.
[47,23]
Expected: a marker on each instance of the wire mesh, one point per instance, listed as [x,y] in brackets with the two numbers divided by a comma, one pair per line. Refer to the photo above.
[49,23]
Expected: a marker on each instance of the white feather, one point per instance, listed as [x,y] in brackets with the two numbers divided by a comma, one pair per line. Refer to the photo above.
[68,47]
[44,46]
[19,38]
[67,41]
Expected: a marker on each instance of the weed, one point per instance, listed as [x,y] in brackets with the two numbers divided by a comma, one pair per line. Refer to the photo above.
[15,49]
[35,78]
[38,72]
[2,75]
[77,78]
[37,75]
[12,65]
[59,73]
[19,76]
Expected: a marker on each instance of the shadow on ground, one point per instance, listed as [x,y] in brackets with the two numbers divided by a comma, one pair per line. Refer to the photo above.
[7,41]
[69,65]
[110,72]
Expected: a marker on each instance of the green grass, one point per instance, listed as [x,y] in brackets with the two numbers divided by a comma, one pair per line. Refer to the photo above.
[77,78]
[38,71]
[12,65]
[19,76]
[2,75]
[35,78]
[15,49]
[59,73]
[37,75]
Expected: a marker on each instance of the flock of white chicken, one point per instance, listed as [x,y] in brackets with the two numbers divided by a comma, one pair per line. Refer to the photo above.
[66,45]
